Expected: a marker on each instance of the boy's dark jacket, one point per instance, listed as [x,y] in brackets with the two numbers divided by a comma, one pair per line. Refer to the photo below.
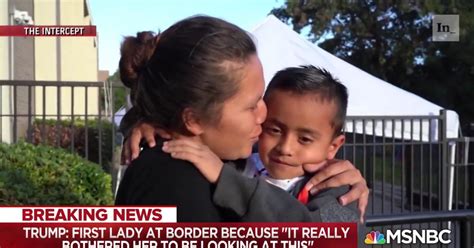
[253,199]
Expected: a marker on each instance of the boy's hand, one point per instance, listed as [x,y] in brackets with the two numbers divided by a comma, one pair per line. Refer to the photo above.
[142,130]
[338,173]
[197,153]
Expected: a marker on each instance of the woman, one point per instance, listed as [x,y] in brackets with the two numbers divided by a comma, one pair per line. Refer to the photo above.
[202,79]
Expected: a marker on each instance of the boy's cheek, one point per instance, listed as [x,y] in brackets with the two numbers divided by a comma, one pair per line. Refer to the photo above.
[265,144]
[313,157]
[263,148]
[313,167]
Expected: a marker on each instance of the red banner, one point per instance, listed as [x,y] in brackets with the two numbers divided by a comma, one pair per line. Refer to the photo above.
[155,226]
[52,31]
[173,235]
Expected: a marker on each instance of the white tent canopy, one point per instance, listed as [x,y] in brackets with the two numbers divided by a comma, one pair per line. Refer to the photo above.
[280,47]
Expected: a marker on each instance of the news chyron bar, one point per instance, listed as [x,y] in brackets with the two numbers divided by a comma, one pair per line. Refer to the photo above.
[52,31]
[156,226]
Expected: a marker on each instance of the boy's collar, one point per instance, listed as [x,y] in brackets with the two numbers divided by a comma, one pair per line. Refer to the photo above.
[285,184]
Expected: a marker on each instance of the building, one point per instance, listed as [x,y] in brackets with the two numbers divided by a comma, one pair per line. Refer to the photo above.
[57,59]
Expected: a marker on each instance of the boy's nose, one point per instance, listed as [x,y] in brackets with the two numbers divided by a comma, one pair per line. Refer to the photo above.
[285,146]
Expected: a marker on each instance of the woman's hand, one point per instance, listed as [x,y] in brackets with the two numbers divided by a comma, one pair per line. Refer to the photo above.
[141,131]
[198,154]
[339,173]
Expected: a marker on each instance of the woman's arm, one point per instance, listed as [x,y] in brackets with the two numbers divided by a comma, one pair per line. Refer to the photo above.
[250,199]
[156,179]
[135,131]
[253,199]
[336,173]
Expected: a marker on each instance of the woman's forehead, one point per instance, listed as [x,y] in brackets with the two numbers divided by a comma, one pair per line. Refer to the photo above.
[253,76]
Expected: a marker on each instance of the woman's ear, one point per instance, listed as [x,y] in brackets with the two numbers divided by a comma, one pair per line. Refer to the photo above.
[192,122]
[336,143]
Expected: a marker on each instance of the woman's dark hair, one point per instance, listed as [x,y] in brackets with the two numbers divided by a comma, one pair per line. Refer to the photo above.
[193,64]
[313,80]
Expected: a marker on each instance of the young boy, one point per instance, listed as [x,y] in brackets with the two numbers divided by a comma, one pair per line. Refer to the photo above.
[303,129]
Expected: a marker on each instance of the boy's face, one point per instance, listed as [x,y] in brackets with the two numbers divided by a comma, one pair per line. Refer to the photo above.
[297,134]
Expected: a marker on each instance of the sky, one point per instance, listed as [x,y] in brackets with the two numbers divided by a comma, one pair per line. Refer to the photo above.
[118,18]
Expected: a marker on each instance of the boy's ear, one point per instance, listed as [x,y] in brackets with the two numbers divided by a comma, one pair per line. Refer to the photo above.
[336,143]
[191,121]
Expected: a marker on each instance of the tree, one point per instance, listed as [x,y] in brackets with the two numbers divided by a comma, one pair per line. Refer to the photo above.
[119,91]
[393,41]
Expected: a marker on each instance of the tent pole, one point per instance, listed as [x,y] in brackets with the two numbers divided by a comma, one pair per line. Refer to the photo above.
[452,161]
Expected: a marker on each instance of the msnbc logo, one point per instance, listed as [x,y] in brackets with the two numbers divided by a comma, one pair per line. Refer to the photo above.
[374,238]
[406,236]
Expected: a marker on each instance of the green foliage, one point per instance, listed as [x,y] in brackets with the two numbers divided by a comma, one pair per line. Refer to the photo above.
[73,134]
[393,41]
[119,91]
[42,175]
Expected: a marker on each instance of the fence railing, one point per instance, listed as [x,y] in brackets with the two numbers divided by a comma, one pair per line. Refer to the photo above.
[419,178]
[408,172]
[73,115]
[409,162]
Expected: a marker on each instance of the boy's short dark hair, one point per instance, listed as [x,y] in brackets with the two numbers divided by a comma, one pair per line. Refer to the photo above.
[313,80]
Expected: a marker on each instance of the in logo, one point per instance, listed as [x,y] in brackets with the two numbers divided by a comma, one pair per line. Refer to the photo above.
[445,28]
[374,238]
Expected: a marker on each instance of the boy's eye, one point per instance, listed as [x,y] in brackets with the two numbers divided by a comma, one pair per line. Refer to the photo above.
[305,140]
[272,130]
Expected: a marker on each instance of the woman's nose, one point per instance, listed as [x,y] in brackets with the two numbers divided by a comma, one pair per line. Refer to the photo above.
[261,112]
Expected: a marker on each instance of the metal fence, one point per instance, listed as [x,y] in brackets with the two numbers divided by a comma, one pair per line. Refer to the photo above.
[418,172]
[77,116]
[414,170]
[410,164]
